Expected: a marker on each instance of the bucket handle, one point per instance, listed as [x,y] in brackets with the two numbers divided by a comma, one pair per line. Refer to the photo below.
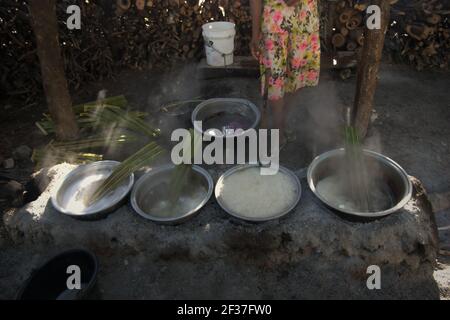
[210,44]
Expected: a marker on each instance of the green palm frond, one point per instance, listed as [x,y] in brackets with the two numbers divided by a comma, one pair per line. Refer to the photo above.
[356,174]
[181,172]
[133,163]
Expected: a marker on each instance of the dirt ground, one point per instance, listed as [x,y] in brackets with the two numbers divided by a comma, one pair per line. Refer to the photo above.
[410,125]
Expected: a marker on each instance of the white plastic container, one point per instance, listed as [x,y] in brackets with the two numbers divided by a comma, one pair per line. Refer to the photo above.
[219,43]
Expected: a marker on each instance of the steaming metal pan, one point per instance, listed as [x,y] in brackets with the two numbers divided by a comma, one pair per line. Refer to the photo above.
[219,106]
[392,174]
[83,181]
[147,187]
[235,169]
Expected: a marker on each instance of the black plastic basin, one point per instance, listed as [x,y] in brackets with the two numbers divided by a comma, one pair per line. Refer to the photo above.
[49,282]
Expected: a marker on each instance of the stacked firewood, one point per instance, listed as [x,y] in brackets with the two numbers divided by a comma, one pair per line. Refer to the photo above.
[151,33]
[86,53]
[348,29]
[420,33]
[238,11]
[147,33]
[114,34]
[17,53]
[158,32]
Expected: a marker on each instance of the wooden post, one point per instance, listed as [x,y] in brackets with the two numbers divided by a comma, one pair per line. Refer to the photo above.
[45,26]
[368,67]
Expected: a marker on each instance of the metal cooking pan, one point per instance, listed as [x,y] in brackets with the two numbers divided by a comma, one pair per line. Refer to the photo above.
[238,168]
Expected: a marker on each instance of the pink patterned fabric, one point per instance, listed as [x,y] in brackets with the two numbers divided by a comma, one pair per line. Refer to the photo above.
[290,46]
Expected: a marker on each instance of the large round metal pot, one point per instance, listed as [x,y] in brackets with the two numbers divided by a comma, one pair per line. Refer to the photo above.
[83,181]
[392,175]
[154,186]
[236,169]
[229,113]
[49,281]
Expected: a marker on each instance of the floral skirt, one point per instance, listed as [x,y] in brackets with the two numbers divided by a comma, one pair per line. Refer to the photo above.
[291,61]
[290,47]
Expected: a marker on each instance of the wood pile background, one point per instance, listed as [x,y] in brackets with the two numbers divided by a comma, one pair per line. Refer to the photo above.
[348,25]
[139,34]
[419,33]
[115,34]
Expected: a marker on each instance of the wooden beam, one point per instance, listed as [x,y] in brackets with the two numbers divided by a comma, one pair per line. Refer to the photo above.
[45,26]
[368,67]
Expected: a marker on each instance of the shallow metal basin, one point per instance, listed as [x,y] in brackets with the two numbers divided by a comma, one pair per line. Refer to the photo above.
[83,181]
[225,107]
[49,281]
[390,172]
[238,168]
[154,185]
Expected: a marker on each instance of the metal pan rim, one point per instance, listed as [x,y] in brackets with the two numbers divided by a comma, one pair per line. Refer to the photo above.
[170,220]
[89,213]
[376,155]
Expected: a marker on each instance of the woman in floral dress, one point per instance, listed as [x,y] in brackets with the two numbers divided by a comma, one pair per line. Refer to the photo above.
[285,40]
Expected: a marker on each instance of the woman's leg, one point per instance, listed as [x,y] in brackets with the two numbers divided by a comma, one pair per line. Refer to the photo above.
[279,117]
[290,99]
[292,102]
[278,108]
[273,69]
[264,123]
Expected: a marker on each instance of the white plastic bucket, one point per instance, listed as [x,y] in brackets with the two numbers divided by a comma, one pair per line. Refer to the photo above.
[219,43]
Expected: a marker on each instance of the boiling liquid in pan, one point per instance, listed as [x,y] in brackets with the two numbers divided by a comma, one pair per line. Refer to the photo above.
[158,203]
[335,190]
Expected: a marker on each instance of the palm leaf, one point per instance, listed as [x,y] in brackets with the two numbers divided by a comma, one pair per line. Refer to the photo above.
[355,173]
[179,176]
[135,162]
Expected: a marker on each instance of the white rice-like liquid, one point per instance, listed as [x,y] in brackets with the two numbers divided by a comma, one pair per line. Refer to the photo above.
[330,188]
[252,195]
[77,195]
[334,190]
[162,207]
